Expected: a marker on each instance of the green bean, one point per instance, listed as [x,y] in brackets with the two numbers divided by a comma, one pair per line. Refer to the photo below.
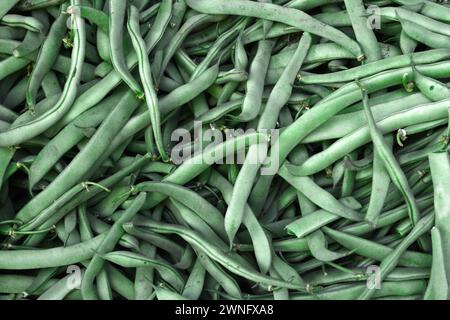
[285,271]
[50,85]
[119,282]
[103,286]
[186,216]
[6,6]
[84,226]
[30,44]
[194,22]
[78,168]
[43,277]
[407,44]
[112,201]
[224,280]
[149,12]
[345,123]
[84,160]
[414,115]
[196,165]
[224,42]
[146,79]
[432,89]
[334,18]
[58,210]
[11,33]
[317,244]
[163,293]
[175,99]
[242,188]
[319,196]
[254,33]
[291,245]
[253,97]
[259,238]
[292,135]
[16,97]
[116,23]
[349,178]
[438,284]
[194,284]
[287,198]
[59,290]
[351,292]
[380,187]
[28,5]
[418,128]
[28,23]
[103,46]
[396,174]
[160,24]
[157,240]
[232,75]
[41,108]
[309,4]
[190,199]
[335,276]
[103,69]
[311,222]
[45,258]
[37,126]
[17,283]
[6,155]
[440,170]
[318,53]
[266,24]
[377,251]
[62,64]
[97,17]
[428,8]
[217,255]
[178,13]
[423,35]
[391,261]
[107,244]
[134,260]
[283,88]
[210,33]
[46,56]
[98,227]
[68,137]
[143,280]
[372,68]
[398,13]
[10,65]
[276,13]
[364,35]
[7,46]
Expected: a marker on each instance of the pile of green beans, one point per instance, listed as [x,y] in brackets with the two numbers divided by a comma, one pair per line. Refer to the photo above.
[318,153]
